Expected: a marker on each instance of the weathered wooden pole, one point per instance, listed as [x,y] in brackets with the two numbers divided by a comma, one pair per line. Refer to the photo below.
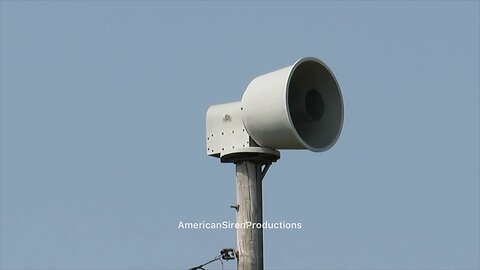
[249,215]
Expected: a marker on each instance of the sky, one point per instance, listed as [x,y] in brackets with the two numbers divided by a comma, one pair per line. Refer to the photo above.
[102,133]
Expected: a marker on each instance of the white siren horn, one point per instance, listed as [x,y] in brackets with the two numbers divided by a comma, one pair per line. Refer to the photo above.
[297,107]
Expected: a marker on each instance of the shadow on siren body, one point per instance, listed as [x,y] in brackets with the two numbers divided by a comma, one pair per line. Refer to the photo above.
[296,107]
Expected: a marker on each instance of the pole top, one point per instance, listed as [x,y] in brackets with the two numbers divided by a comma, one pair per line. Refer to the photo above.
[260,155]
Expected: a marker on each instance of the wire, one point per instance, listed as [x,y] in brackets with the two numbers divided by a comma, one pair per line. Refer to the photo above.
[200,267]
[221,261]
[226,254]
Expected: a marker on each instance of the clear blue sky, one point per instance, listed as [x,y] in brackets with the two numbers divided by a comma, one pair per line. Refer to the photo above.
[102,133]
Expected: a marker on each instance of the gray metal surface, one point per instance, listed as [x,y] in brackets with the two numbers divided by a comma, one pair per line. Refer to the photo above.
[225,130]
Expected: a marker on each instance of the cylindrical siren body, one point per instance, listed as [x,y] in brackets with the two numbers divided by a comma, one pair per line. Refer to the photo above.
[296,107]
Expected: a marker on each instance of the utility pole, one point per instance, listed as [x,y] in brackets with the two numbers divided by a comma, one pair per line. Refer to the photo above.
[251,168]
[249,211]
